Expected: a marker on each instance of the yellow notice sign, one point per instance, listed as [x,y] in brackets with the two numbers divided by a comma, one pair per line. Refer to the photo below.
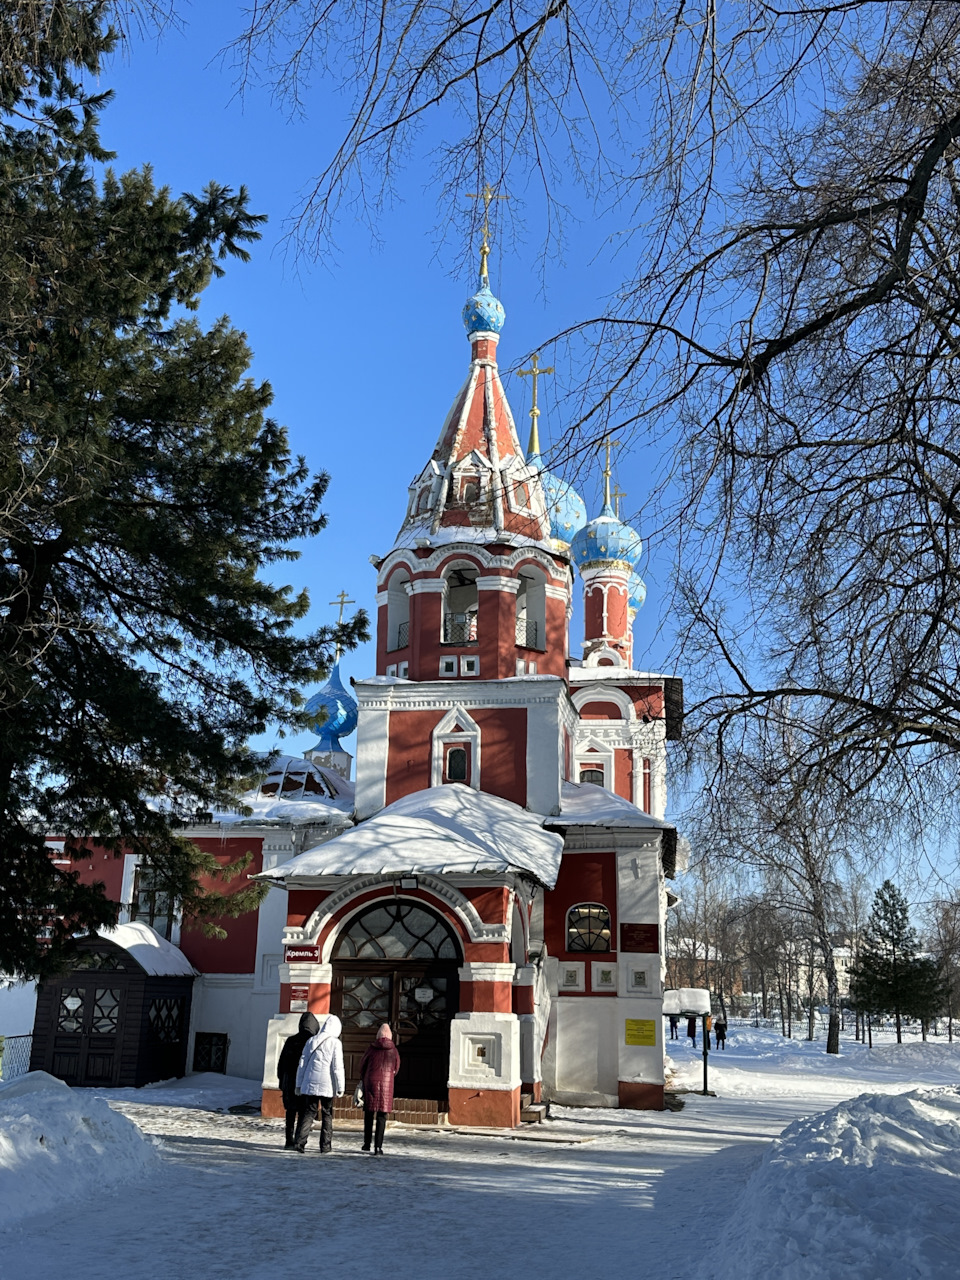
[641,1031]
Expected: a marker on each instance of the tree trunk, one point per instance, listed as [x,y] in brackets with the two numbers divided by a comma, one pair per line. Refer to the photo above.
[870,1030]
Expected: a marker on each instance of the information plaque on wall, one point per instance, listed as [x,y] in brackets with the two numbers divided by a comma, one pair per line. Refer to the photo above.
[640,937]
[302,955]
[298,998]
[641,1031]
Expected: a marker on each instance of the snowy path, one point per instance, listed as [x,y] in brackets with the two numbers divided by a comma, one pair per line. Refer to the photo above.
[228,1203]
[647,1191]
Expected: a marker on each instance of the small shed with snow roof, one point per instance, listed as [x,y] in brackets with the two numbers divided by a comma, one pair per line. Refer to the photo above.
[119,1016]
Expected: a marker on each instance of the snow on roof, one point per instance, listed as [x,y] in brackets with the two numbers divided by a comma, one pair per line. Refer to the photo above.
[296,791]
[442,829]
[583,804]
[153,953]
[619,675]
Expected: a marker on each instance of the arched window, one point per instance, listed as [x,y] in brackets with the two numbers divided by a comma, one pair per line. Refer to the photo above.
[588,927]
[398,610]
[397,930]
[460,604]
[456,764]
[532,611]
[594,776]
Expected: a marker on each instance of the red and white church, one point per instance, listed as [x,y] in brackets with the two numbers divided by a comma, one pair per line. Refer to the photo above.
[499,897]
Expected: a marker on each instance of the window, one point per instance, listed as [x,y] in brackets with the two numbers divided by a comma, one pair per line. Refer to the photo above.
[398,610]
[594,776]
[165,1020]
[402,669]
[397,930]
[456,770]
[469,666]
[460,605]
[588,927]
[532,611]
[152,904]
[448,666]
[210,1051]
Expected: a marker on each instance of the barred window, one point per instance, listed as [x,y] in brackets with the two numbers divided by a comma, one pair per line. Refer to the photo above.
[588,927]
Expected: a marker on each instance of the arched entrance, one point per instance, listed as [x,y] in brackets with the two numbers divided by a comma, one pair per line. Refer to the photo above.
[397,962]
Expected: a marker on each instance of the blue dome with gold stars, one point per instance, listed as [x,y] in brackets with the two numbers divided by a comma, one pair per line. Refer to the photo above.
[483,312]
[566,510]
[606,538]
[636,591]
[341,708]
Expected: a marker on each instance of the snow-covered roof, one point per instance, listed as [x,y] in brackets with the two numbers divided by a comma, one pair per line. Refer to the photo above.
[618,675]
[296,791]
[583,804]
[442,829]
[156,955]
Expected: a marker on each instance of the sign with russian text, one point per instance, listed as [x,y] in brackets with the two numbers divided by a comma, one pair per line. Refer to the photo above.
[299,994]
[302,955]
[641,1031]
[640,937]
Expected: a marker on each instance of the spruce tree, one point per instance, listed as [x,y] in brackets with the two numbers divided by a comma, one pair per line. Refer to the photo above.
[144,492]
[882,977]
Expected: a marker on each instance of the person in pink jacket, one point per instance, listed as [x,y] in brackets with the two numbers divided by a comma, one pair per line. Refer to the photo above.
[379,1065]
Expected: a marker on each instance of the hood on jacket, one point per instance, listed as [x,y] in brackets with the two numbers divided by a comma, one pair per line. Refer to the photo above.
[330,1030]
[309,1024]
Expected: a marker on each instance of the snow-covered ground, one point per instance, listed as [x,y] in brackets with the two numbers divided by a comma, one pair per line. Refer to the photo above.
[864,1189]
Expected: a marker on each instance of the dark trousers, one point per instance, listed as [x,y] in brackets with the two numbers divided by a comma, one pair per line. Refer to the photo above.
[307,1107]
[368,1118]
[290,1119]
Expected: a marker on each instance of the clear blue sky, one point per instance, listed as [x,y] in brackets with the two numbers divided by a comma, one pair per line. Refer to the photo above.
[366,351]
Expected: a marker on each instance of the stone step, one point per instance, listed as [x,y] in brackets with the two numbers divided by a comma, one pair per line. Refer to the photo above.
[405,1111]
[533,1113]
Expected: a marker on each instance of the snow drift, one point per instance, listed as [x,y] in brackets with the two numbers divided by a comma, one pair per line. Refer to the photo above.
[58,1143]
[865,1191]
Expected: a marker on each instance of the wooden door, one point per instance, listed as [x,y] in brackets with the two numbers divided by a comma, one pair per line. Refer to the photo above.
[397,962]
[86,1039]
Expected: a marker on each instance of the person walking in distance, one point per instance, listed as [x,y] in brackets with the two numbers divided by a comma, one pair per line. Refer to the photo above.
[287,1065]
[674,1024]
[692,1030]
[320,1079]
[379,1065]
[720,1031]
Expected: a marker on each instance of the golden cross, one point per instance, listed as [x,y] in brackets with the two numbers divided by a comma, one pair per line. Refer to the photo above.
[608,445]
[618,493]
[486,195]
[342,599]
[534,373]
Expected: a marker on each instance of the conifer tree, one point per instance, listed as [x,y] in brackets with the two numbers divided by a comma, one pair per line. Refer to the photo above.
[143,492]
[884,975]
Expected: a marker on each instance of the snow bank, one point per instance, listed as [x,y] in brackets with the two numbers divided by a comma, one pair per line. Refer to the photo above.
[866,1191]
[206,1090]
[56,1143]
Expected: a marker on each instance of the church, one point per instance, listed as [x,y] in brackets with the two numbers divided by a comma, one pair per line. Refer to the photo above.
[499,895]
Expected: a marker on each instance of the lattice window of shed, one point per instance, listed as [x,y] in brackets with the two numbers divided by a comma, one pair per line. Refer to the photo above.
[165,1020]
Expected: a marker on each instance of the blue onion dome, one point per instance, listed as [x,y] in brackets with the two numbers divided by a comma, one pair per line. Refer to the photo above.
[483,312]
[565,508]
[606,539]
[341,708]
[636,591]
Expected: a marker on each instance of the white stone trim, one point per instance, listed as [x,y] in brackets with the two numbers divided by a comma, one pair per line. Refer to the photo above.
[498,1035]
[445,734]
[600,693]
[443,891]
[427,586]
[576,982]
[497,582]
[598,968]
[487,971]
[557,593]
[530,550]
[306,973]
[425,695]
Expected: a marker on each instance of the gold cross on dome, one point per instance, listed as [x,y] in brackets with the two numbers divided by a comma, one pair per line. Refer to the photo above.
[535,373]
[486,195]
[608,445]
[618,493]
[342,599]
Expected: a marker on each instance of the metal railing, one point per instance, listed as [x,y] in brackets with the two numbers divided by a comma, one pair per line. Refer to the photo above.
[460,628]
[528,635]
[14,1056]
[403,636]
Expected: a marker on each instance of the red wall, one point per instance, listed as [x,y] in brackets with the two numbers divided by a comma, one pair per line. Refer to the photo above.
[503,752]
[237,952]
[584,877]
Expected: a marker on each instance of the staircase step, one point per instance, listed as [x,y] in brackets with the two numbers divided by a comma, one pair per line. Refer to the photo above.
[533,1113]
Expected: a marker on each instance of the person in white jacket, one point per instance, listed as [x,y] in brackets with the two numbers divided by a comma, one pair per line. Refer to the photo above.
[320,1079]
